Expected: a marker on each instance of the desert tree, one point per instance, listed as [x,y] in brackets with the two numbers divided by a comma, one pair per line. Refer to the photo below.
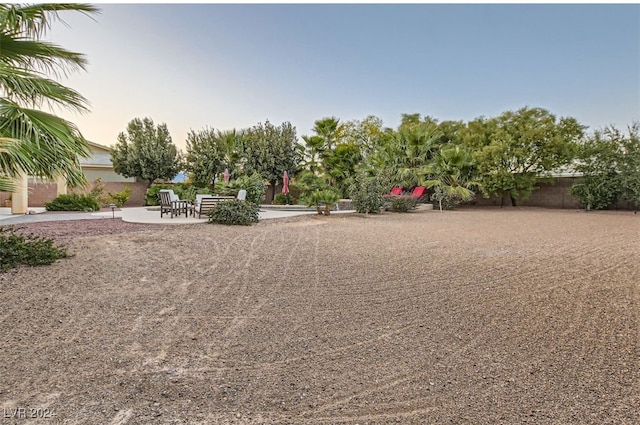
[271,150]
[514,150]
[146,151]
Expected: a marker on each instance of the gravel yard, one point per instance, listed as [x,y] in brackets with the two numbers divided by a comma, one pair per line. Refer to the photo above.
[475,316]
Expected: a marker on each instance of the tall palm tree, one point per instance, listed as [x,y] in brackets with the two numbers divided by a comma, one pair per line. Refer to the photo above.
[34,141]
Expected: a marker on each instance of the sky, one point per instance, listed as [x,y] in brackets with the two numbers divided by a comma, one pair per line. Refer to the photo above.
[220,66]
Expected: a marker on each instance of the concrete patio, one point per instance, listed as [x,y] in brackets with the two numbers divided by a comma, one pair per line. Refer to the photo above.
[146,215]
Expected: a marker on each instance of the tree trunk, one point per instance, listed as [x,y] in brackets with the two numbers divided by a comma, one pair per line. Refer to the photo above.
[513,200]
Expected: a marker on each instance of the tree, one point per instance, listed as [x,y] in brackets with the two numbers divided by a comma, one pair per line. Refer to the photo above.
[146,152]
[271,150]
[596,159]
[450,174]
[313,146]
[522,147]
[341,164]
[630,165]
[404,152]
[205,156]
[33,141]
[609,163]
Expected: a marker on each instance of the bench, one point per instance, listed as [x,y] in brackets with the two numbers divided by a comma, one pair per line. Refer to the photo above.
[207,203]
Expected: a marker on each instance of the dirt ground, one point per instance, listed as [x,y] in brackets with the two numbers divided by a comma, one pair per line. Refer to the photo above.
[475,316]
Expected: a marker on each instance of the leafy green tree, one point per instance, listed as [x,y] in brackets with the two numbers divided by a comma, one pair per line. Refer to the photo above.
[205,156]
[367,133]
[233,142]
[271,150]
[146,152]
[341,164]
[610,166]
[522,147]
[630,165]
[313,145]
[404,152]
[33,141]
[451,177]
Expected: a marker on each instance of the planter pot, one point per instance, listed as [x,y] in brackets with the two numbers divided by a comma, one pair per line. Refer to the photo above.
[7,203]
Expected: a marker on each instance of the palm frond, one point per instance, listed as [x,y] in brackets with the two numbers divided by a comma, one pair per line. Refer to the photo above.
[39,55]
[31,89]
[44,145]
[35,20]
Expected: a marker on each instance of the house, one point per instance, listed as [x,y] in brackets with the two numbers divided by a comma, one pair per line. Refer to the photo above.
[97,165]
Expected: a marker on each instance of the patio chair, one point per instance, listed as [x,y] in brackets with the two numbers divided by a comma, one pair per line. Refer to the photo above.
[173,204]
[167,203]
[418,192]
[396,191]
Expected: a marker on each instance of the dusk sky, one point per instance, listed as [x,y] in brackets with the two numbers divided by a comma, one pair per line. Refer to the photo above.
[232,66]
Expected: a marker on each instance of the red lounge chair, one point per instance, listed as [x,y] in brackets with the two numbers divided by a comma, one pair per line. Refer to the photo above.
[418,192]
[396,191]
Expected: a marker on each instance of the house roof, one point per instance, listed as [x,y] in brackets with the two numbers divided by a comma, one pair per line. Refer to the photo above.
[100,156]
[99,146]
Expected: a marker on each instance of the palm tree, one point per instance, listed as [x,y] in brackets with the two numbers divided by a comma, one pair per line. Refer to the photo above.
[33,141]
[450,174]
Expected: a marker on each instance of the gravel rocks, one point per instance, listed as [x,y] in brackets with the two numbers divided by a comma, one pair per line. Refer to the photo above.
[479,316]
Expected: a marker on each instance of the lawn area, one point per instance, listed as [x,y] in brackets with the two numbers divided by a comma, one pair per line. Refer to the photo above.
[478,316]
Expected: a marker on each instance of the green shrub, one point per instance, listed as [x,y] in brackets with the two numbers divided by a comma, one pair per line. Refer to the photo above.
[152,198]
[73,202]
[308,182]
[403,203]
[281,199]
[97,192]
[253,184]
[18,249]
[597,192]
[445,201]
[234,212]
[366,193]
[320,198]
[120,198]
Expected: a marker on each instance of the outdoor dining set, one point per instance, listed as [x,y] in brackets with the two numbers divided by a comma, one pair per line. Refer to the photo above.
[171,204]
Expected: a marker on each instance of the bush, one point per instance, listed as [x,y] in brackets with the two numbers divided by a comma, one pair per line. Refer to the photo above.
[120,198]
[152,198]
[596,192]
[234,211]
[17,249]
[403,203]
[444,200]
[308,182]
[281,199]
[97,192]
[73,202]
[327,198]
[253,184]
[366,193]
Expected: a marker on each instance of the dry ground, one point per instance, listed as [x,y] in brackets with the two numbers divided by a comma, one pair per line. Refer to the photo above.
[477,316]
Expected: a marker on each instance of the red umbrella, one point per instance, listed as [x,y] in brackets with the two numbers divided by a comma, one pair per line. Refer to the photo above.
[226,175]
[285,183]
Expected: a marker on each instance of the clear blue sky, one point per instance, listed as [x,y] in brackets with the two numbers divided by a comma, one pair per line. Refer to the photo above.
[232,66]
